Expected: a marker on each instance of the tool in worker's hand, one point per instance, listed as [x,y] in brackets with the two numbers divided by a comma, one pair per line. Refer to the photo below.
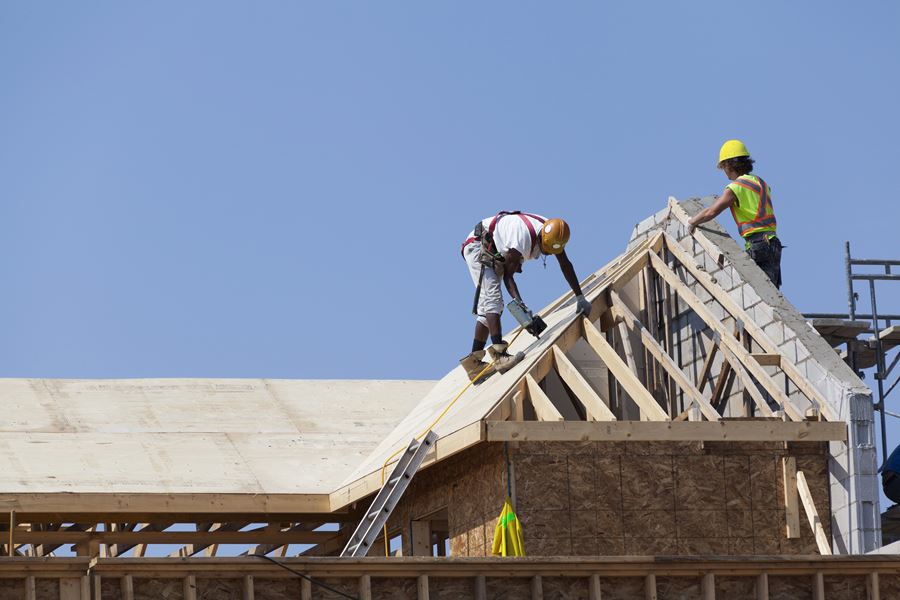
[530,322]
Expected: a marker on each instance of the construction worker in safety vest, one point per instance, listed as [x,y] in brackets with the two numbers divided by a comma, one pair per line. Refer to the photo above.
[750,201]
[496,250]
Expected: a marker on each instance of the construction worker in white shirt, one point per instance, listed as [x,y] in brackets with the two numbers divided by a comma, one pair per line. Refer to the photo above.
[496,249]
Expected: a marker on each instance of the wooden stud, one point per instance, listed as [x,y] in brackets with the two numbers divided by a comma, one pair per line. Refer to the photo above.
[480,587]
[421,538]
[791,497]
[542,405]
[85,588]
[97,589]
[189,587]
[667,362]
[650,587]
[708,586]
[127,587]
[12,529]
[423,587]
[70,588]
[762,586]
[595,587]
[753,329]
[518,411]
[29,588]
[818,586]
[365,587]
[593,403]
[537,588]
[727,340]
[872,587]
[248,588]
[749,386]
[812,515]
[707,365]
[305,589]
[622,373]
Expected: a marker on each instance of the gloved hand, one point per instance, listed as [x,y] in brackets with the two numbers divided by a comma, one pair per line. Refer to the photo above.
[584,307]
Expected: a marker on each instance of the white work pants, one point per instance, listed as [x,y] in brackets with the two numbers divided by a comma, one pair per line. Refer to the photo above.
[491,298]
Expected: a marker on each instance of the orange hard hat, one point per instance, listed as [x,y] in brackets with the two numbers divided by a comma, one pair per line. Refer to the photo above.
[554,236]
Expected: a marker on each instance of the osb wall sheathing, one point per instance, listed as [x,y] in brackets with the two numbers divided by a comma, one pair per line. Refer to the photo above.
[472,487]
[621,498]
[662,498]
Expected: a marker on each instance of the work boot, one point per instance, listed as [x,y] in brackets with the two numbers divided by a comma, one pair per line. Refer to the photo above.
[474,367]
[503,361]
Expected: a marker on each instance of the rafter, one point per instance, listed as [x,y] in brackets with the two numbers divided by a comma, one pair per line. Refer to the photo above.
[667,362]
[727,341]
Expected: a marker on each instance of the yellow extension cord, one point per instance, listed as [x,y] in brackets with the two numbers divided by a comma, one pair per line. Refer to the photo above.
[387,549]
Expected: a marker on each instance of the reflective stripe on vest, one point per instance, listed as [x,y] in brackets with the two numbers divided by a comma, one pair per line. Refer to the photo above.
[754,212]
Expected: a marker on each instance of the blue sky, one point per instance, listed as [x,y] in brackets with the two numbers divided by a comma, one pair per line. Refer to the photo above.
[220,189]
[279,189]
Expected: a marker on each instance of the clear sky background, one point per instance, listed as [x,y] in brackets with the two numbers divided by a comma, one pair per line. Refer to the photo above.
[279,189]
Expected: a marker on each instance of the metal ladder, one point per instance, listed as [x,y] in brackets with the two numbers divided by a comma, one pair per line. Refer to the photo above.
[388,497]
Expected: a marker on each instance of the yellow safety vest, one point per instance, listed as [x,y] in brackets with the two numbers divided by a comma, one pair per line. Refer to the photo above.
[753,210]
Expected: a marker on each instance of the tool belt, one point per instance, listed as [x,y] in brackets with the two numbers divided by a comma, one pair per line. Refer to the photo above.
[488,255]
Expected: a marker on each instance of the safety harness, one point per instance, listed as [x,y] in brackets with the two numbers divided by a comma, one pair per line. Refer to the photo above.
[488,255]
[765,214]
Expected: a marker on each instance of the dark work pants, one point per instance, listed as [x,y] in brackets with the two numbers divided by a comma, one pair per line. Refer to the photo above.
[766,253]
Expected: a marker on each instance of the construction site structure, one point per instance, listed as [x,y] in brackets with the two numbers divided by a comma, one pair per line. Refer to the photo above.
[694,437]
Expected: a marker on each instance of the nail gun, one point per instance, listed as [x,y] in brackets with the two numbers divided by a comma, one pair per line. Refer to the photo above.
[532,323]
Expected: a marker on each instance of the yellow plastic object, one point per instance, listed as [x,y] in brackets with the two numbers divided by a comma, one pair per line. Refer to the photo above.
[508,533]
[732,149]
[554,236]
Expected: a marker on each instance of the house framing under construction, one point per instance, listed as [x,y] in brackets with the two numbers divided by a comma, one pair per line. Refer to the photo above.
[694,436]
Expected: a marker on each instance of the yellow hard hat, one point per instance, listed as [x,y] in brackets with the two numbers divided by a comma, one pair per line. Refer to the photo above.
[732,149]
[554,236]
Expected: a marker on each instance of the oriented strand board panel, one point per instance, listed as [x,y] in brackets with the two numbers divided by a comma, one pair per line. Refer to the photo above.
[176,436]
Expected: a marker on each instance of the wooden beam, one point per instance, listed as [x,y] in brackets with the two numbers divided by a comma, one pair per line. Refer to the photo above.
[755,331]
[625,376]
[480,587]
[421,538]
[593,403]
[727,341]
[175,537]
[189,587]
[667,362]
[595,587]
[812,515]
[707,364]
[537,588]
[365,587]
[30,591]
[872,586]
[752,430]
[766,359]
[762,586]
[650,587]
[247,591]
[818,586]
[749,386]
[542,405]
[127,587]
[423,587]
[708,586]
[791,497]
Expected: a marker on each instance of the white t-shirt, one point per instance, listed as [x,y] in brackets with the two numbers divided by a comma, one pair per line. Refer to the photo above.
[511,232]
